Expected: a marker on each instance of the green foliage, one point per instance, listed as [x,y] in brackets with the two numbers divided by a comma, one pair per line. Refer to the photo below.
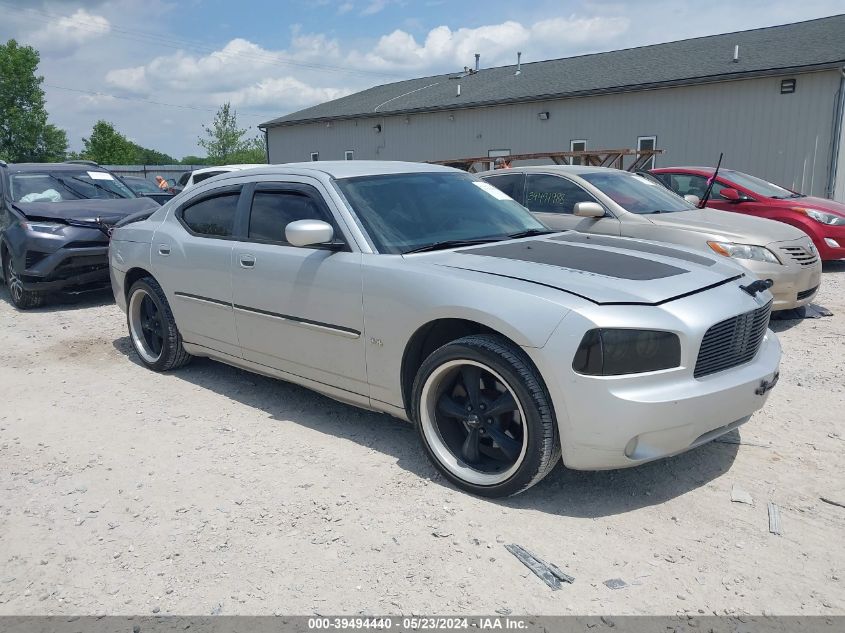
[224,141]
[25,134]
[194,160]
[107,146]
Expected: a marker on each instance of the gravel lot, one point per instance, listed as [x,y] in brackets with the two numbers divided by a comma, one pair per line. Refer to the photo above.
[211,490]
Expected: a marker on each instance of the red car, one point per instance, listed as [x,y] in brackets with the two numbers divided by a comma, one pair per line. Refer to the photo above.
[823,220]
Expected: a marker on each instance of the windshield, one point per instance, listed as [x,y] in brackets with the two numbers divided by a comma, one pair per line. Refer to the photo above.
[404,212]
[59,186]
[635,194]
[758,185]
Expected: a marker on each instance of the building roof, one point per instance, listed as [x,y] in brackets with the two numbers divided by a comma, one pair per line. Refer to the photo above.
[802,46]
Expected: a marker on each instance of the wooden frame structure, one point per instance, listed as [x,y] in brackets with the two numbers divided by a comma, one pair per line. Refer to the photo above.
[593,157]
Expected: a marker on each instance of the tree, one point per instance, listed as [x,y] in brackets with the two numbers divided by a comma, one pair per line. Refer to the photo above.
[252,151]
[107,146]
[25,134]
[224,142]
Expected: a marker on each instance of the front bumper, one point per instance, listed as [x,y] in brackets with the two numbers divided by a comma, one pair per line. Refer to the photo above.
[74,259]
[622,421]
[795,285]
[830,241]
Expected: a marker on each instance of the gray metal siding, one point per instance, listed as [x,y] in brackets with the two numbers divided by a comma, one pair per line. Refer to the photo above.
[784,138]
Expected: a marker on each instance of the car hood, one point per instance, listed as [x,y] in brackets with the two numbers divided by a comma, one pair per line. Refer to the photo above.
[601,269]
[736,227]
[89,210]
[822,204]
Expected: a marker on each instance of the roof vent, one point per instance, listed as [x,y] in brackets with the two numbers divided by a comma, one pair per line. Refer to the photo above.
[518,63]
[458,94]
[736,54]
[477,61]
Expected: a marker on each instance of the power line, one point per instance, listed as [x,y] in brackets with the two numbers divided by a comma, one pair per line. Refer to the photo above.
[149,101]
[146,36]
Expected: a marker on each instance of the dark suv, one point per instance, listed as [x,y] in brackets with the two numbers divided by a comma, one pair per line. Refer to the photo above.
[54,225]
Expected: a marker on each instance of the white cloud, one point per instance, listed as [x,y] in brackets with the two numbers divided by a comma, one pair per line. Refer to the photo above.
[497,43]
[67,32]
[346,7]
[281,90]
[375,6]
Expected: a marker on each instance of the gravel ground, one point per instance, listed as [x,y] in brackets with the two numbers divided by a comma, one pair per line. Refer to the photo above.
[211,490]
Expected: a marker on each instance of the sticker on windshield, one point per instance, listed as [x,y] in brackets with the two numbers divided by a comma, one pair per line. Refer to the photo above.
[99,175]
[491,190]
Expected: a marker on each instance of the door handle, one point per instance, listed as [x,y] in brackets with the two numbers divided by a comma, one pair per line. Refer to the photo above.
[164,249]
[247,261]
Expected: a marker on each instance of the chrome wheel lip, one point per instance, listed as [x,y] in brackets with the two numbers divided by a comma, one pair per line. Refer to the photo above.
[136,332]
[428,409]
[15,281]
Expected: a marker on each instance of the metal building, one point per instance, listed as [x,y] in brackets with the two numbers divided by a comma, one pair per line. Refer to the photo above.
[771,99]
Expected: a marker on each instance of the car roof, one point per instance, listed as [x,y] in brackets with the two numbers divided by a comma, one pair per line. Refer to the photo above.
[349,168]
[24,167]
[205,170]
[576,170]
[697,170]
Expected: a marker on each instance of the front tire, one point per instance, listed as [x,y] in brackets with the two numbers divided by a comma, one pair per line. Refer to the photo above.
[152,328]
[21,299]
[484,416]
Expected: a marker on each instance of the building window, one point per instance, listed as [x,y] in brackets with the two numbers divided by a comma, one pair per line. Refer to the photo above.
[577,146]
[315,156]
[647,143]
[349,154]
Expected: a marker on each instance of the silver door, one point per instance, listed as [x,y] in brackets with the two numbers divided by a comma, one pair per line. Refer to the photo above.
[298,309]
[552,199]
[192,259]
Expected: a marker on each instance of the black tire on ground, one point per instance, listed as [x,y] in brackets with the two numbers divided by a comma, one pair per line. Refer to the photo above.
[21,299]
[530,424]
[169,352]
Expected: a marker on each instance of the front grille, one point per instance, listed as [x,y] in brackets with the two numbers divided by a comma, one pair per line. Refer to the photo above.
[800,255]
[732,342]
[807,293]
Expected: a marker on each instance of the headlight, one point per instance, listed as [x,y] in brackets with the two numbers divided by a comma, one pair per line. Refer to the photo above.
[744,251]
[610,352]
[44,227]
[821,216]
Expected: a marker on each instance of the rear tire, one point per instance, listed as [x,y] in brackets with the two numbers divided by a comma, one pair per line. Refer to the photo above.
[21,299]
[484,417]
[152,328]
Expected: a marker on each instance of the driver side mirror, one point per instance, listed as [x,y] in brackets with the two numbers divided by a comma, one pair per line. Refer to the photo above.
[588,210]
[692,199]
[308,233]
[732,195]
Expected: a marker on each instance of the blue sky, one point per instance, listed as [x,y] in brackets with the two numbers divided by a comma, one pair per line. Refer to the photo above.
[159,69]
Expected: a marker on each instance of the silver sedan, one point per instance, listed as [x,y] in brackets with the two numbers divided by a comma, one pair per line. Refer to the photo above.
[427,294]
[613,202]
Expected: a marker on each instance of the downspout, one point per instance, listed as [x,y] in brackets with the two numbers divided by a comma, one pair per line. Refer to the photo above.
[835,148]
[266,145]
